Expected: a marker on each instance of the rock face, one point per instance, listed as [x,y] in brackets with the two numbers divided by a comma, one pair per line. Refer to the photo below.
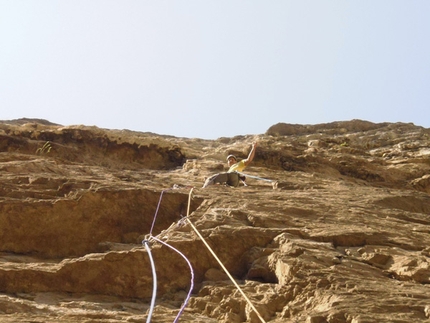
[344,236]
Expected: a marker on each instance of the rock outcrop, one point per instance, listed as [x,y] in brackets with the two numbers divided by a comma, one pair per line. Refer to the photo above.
[342,236]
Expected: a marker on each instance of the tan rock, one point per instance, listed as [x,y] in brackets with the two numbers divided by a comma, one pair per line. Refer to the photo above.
[338,232]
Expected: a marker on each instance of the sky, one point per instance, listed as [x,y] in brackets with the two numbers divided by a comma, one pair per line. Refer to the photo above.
[213,68]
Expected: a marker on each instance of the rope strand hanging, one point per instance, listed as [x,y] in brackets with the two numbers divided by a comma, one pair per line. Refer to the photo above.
[220,263]
[184,304]
[154,274]
[151,237]
[154,281]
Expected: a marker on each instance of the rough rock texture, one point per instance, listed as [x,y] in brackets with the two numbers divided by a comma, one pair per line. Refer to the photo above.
[343,237]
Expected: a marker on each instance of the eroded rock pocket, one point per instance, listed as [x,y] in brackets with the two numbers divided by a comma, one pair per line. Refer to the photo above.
[72,228]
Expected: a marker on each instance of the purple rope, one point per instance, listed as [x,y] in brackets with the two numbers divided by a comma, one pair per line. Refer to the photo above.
[156,211]
[192,278]
[159,203]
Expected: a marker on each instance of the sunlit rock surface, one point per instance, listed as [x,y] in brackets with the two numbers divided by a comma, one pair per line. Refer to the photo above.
[343,235]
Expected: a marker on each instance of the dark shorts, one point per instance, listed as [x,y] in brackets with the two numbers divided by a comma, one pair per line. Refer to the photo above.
[231,179]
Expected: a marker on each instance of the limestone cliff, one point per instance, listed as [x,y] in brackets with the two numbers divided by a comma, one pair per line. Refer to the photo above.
[344,236]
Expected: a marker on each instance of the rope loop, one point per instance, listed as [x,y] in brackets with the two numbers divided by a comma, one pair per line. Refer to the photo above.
[149,237]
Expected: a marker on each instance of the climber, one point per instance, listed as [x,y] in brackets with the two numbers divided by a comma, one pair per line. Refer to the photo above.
[235,166]
[232,177]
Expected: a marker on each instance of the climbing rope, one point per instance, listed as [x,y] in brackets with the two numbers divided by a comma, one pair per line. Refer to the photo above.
[159,203]
[192,277]
[151,237]
[156,210]
[220,263]
[154,274]
[154,281]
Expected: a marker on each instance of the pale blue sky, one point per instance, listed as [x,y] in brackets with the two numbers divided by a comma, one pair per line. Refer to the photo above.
[210,69]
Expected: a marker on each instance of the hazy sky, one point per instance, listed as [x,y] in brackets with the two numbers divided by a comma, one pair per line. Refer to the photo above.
[210,69]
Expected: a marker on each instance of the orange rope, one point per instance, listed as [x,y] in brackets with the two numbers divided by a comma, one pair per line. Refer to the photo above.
[221,264]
